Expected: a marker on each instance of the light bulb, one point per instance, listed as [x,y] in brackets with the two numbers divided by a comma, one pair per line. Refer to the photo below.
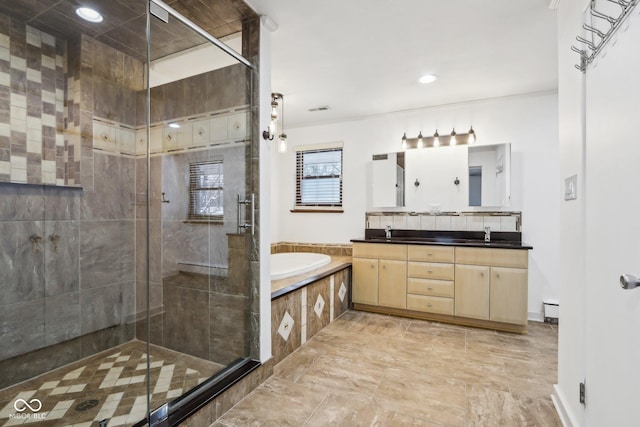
[453,140]
[272,127]
[274,110]
[282,143]
[420,141]
[89,14]
[472,136]
[403,145]
[436,139]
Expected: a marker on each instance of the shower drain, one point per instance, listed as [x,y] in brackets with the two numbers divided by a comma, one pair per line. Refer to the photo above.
[86,405]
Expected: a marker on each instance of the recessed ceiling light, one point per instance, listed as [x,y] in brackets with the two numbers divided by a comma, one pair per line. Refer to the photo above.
[89,14]
[428,78]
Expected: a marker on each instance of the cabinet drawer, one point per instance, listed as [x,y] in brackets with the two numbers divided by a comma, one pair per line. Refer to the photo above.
[430,270]
[436,288]
[380,250]
[430,253]
[430,304]
[493,257]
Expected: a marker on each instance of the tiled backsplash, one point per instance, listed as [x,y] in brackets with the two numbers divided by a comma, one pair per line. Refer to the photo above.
[447,221]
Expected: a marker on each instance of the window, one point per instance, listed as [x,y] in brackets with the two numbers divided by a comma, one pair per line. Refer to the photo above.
[319,178]
[206,180]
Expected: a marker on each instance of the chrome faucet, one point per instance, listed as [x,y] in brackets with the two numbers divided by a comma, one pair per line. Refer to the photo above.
[388,232]
[487,234]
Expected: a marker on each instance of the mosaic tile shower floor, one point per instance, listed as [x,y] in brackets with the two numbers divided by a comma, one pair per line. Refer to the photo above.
[114,378]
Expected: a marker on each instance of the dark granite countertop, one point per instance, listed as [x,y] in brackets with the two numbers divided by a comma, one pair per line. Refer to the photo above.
[475,239]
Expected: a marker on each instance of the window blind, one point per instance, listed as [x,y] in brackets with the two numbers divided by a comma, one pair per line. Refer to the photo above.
[206,182]
[319,177]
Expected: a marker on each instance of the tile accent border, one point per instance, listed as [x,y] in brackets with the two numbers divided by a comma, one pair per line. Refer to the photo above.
[335,249]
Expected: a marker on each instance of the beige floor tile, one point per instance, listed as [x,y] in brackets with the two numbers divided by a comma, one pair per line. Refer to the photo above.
[422,395]
[374,370]
[276,402]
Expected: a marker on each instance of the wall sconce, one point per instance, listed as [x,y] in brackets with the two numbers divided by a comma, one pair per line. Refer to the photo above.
[272,130]
[437,140]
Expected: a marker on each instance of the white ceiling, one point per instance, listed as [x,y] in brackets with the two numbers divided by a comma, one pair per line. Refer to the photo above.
[363,57]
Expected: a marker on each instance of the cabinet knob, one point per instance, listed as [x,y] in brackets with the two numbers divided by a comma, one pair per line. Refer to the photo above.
[481,274]
[428,305]
[373,266]
[498,275]
[430,289]
[429,254]
[384,267]
[430,271]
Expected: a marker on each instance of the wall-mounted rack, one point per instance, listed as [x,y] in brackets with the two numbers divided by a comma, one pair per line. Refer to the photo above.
[600,35]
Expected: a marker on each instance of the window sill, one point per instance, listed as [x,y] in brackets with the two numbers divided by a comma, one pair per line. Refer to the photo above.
[317,211]
[204,221]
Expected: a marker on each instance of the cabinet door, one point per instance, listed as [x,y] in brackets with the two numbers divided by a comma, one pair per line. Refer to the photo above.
[392,290]
[472,291]
[365,281]
[509,295]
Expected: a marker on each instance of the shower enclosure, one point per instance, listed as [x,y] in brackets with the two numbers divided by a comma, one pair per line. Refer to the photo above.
[127,192]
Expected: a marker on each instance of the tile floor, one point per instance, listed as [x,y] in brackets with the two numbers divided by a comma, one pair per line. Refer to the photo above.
[368,369]
[114,382]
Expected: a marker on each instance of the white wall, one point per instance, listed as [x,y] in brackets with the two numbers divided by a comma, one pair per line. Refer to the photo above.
[571,348]
[529,123]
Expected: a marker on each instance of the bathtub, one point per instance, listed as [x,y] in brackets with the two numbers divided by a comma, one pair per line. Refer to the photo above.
[289,264]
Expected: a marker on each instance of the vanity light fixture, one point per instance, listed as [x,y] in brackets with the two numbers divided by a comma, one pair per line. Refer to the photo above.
[437,140]
[89,14]
[472,136]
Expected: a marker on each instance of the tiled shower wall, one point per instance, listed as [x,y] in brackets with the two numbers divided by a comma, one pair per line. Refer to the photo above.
[32,81]
[190,277]
[67,255]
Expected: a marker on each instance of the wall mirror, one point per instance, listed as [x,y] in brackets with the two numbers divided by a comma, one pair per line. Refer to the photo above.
[449,178]
[388,180]
[490,175]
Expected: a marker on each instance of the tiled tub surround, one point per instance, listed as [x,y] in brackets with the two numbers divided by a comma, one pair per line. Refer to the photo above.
[337,249]
[445,221]
[302,305]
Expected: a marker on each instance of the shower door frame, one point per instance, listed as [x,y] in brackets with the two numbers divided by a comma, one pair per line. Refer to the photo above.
[176,411]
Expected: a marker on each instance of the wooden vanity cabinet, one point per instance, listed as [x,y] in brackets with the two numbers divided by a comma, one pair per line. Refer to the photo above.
[478,286]
[430,272]
[472,291]
[380,274]
[365,281]
[491,284]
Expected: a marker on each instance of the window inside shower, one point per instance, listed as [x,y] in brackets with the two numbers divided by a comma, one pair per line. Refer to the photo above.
[125,146]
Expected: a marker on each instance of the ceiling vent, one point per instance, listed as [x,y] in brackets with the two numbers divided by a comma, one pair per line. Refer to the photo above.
[321,108]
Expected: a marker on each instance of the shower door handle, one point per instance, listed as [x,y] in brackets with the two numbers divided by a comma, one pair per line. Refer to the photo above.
[242,224]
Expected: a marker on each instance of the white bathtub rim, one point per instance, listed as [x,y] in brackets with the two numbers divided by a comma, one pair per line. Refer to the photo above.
[297,263]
